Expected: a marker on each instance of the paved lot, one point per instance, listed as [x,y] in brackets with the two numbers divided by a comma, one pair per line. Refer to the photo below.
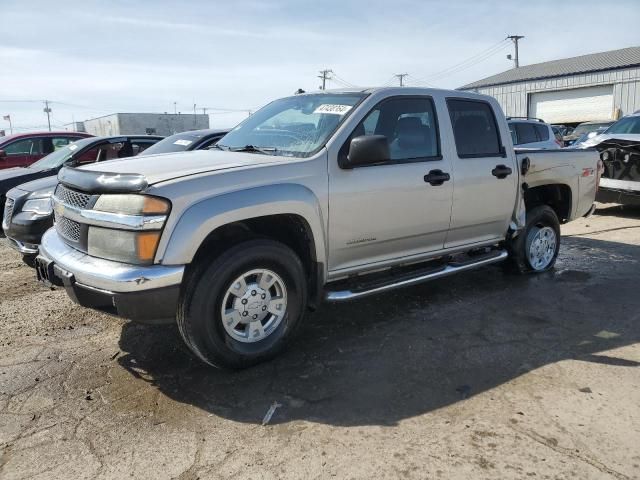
[482,375]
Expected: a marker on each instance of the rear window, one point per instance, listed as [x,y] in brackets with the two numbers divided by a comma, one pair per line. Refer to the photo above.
[542,131]
[525,133]
[175,143]
[474,128]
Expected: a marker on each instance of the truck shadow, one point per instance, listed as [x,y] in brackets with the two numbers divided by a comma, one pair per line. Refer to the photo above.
[381,360]
[615,210]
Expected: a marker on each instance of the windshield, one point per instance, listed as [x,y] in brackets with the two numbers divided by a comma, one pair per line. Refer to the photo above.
[625,125]
[175,143]
[57,158]
[589,127]
[294,126]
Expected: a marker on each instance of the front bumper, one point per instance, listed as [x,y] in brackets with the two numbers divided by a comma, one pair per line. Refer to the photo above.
[142,293]
[22,247]
[619,191]
[28,228]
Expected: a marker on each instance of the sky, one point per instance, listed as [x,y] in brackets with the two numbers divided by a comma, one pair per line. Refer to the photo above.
[92,58]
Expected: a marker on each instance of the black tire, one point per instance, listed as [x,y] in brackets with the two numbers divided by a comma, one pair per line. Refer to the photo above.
[537,218]
[30,260]
[199,314]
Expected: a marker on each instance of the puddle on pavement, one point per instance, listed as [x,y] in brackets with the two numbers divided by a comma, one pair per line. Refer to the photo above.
[572,275]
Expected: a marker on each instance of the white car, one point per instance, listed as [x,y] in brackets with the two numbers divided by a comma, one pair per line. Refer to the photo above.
[532,133]
[627,128]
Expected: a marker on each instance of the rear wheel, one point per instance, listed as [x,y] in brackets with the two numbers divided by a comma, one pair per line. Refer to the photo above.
[536,248]
[244,306]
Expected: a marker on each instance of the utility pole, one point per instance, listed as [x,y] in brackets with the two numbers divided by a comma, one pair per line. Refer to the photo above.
[195,124]
[324,76]
[514,39]
[47,110]
[175,108]
[400,76]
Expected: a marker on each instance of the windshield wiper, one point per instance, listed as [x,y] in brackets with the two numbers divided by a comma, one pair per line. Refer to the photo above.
[254,149]
[218,146]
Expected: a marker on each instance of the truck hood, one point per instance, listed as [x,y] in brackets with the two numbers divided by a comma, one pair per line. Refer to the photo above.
[169,166]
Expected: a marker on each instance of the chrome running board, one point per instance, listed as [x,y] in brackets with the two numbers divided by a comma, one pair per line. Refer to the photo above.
[449,269]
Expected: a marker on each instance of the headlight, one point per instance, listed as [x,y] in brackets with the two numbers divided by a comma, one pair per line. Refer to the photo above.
[122,233]
[132,204]
[122,245]
[41,206]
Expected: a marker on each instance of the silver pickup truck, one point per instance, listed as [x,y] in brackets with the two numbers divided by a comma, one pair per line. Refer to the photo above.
[332,195]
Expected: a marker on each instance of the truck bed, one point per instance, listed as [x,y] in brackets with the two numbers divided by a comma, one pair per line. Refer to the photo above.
[576,168]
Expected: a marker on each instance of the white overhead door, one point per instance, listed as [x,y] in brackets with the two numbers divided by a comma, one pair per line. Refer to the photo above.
[575,105]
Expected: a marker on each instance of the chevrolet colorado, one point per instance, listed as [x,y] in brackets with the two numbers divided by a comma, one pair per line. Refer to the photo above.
[331,195]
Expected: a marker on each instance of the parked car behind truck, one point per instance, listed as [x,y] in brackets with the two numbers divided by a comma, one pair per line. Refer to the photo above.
[619,147]
[527,132]
[23,149]
[25,227]
[27,207]
[328,195]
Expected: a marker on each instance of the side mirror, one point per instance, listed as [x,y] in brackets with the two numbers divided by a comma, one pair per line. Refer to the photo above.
[3,154]
[368,150]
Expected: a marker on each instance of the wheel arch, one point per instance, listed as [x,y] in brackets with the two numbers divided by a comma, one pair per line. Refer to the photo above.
[558,196]
[287,213]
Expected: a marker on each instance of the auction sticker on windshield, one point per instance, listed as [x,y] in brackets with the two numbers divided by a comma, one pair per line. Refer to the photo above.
[333,109]
[184,143]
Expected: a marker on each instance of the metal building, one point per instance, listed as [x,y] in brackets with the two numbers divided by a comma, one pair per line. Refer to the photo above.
[599,86]
[145,124]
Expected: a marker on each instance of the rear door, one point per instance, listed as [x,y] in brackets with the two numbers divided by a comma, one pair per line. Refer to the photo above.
[485,178]
[385,212]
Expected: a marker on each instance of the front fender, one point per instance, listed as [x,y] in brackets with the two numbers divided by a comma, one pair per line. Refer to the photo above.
[202,218]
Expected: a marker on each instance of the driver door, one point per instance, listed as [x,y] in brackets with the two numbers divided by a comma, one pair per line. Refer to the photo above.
[388,213]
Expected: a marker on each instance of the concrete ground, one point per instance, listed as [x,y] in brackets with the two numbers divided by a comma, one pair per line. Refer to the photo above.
[483,375]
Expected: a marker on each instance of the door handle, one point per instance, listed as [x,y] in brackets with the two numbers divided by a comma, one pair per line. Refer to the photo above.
[437,177]
[501,171]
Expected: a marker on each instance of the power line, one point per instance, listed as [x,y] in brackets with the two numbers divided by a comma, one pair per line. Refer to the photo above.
[467,63]
[342,80]
[420,83]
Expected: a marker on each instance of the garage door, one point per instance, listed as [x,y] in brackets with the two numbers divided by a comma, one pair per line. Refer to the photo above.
[575,105]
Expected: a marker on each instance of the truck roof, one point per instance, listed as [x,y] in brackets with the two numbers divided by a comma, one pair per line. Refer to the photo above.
[396,90]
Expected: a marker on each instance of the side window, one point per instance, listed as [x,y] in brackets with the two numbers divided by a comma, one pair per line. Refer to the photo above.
[474,128]
[30,146]
[410,125]
[543,132]
[512,131]
[526,133]
[140,146]
[90,156]
[59,142]
[370,122]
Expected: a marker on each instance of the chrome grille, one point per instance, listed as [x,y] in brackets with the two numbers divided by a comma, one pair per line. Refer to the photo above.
[72,197]
[68,228]
[8,211]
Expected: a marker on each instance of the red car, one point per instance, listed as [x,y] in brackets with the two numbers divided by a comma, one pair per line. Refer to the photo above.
[23,149]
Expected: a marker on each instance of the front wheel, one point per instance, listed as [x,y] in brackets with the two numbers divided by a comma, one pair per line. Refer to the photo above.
[536,248]
[244,306]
